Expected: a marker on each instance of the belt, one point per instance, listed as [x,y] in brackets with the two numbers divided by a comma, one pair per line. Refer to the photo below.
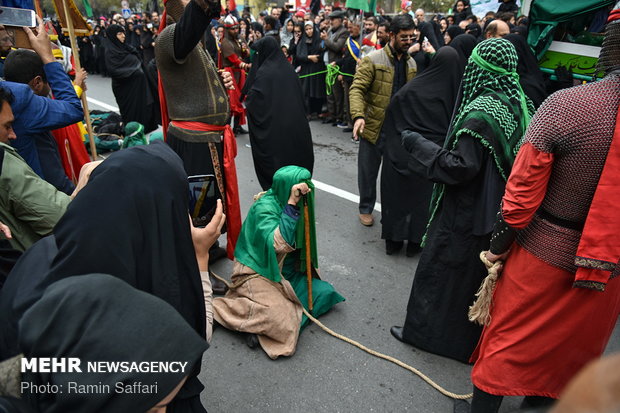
[547,216]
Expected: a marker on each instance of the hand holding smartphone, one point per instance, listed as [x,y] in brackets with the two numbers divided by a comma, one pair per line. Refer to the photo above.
[203,196]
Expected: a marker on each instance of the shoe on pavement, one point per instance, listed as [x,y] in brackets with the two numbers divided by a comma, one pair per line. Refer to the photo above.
[367,219]
[397,332]
[327,120]
[347,130]
[392,247]
[413,248]
[343,125]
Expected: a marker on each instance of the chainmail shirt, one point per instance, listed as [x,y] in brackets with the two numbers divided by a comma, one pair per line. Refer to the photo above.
[577,126]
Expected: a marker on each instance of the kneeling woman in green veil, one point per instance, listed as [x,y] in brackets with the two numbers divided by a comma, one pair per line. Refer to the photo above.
[268,273]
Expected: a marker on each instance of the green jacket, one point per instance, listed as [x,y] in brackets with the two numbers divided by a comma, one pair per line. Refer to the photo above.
[371,91]
[29,206]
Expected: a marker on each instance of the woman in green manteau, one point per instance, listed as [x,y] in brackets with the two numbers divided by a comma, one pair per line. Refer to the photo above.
[269,268]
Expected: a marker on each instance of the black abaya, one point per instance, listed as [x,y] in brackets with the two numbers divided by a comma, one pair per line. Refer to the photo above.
[98,317]
[135,96]
[279,130]
[312,86]
[130,221]
[423,105]
[450,272]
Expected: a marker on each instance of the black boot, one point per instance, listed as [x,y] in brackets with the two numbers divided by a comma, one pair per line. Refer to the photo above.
[218,287]
[533,402]
[392,247]
[484,402]
[251,340]
[413,248]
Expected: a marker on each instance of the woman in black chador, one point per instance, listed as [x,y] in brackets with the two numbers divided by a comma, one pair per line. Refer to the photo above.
[423,105]
[136,97]
[309,55]
[279,131]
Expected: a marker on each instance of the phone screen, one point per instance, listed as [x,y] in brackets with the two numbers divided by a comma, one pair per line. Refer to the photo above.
[10,16]
[203,195]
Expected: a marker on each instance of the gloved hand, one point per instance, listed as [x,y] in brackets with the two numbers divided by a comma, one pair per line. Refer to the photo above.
[408,139]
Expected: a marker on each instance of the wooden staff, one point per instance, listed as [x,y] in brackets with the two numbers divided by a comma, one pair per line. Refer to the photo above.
[308,251]
[78,66]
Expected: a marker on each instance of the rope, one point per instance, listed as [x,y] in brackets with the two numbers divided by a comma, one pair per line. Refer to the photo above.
[331,76]
[361,346]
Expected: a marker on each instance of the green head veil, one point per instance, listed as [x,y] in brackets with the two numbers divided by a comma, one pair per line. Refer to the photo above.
[255,244]
[493,107]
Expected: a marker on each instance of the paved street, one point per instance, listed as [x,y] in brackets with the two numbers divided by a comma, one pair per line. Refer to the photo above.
[326,374]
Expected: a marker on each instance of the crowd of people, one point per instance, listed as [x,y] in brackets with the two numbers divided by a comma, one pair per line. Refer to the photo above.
[476,160]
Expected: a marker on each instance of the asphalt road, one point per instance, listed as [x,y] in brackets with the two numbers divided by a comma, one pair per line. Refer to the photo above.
[326,374]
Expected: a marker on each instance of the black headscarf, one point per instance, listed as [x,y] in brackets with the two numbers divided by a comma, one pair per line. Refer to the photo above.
[428,30]
[304,42]
[454,31]
[279,130]
[131,221]
[98,317]
[424,105]
[464,45]
[530,75]
[122,59]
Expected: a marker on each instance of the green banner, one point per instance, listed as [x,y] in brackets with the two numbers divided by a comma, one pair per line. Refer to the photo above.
[88,9]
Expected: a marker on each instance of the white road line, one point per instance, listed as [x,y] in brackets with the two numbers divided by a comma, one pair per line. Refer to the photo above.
[102,104]
[341,193]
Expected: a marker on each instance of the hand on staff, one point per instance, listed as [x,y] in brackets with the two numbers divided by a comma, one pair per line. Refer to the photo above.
[80,78]
[6,230]
[297,191]
[358,128]
[227,79]
[41,42]
[204,238]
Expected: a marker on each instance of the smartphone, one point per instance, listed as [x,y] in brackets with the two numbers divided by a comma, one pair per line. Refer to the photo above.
[149,26]
[10,16]
[203,196]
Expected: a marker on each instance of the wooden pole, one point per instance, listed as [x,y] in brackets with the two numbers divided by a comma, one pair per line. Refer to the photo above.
[308,252]
[78,66]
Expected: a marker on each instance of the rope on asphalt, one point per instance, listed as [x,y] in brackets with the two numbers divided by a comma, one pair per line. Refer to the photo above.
[329,331]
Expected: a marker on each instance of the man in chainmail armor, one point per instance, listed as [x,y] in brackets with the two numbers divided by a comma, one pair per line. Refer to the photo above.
[557,300]
[195,101]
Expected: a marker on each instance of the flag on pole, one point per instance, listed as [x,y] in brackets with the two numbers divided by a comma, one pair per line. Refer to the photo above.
[369,6]
[87,8]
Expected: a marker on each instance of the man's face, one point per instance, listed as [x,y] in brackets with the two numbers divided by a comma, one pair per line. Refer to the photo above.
[402,41]
[155,17]
[6,124]
[369,26]
[275,12]
[354,29]
[328,9]
[382,35]
[5,42]
[233,32]
[336,23]
[419,14]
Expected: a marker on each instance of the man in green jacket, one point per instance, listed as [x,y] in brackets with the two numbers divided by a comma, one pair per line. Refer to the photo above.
[29,206]
[379,76]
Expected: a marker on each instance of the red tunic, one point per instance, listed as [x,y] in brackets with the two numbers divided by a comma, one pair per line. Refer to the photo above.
[542,331]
